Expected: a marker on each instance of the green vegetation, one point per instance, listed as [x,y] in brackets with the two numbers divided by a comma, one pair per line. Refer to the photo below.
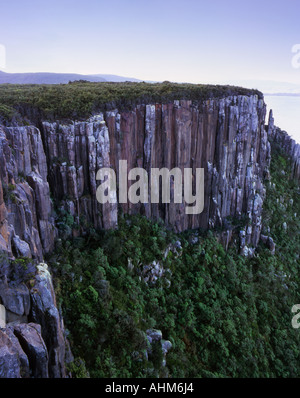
[9,193]
[7,112]
[225,315]
[81,99]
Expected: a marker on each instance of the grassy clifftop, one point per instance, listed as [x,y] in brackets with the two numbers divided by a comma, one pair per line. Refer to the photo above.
[81,99]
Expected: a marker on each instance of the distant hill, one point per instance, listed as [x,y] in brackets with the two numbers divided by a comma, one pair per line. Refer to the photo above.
[58,78]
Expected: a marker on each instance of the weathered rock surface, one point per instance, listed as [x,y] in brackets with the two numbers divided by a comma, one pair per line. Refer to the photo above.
[15,298]
[27,230]
[44,312]
[30,338]
[33,330]
[2,316]
[26,222]
[269,243]
[155,336]
[13,361]
[290,147]
[226,137]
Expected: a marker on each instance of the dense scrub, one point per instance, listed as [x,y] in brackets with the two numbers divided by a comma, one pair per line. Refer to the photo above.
[226,315]
[81,99]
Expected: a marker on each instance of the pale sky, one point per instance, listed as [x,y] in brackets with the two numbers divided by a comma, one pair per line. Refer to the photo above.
[191,40]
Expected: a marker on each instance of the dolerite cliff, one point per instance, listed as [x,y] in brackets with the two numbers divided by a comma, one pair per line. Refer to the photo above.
[225,137]
[44,170]
[289,146]
[32,342]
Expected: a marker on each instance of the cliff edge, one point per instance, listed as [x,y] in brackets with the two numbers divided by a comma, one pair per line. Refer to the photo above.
[51,167]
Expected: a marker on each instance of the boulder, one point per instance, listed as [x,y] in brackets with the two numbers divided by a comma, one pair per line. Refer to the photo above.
[16,299]
[23,359]
[269,242]
[45,313]
[166,345]
[21,248]
[154,335]
[30,338]
[13,360]
[9,358]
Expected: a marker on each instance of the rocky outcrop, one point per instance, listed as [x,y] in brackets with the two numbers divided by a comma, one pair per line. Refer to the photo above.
[26,222]
[269,242]
[16,300]
[27,233]
[44,312]
[2,316]
[32,331]
[154,336]
[30,338]
[289,146]
[226,137]
[13,361]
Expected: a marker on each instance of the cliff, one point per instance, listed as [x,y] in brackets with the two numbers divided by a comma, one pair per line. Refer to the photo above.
[289,146]
[225,137]
[51,169]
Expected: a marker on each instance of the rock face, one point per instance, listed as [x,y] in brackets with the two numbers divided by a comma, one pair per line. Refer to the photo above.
[45,313]
[226,137]
[31,328]
[290,147]
[2,316]
[13,361]
[26,222]
[155,336]
[32,334]
[30,338]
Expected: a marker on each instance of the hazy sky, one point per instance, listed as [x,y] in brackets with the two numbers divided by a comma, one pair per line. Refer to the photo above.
[186,40]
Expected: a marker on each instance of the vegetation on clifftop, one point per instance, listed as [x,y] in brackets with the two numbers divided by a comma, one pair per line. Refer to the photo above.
[226,315]
[81,99]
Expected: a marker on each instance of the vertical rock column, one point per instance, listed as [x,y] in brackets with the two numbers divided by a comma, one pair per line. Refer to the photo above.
[226,137]
[290,147]
[26,223]
[75,153]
